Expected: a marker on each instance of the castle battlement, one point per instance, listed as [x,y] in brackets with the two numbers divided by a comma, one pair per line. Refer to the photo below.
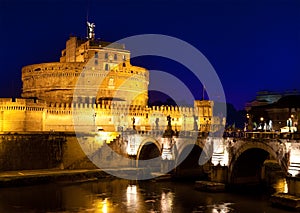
[52,67]
[18,113]
[22,102]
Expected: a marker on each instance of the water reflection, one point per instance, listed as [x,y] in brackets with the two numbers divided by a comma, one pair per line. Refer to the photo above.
[123,196]
[222,208]
[166,202]
[132,199]
[102,206]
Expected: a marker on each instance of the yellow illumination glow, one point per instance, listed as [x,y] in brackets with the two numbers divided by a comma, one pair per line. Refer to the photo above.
[106,136]
[132,199]
[167,202]
[102,206]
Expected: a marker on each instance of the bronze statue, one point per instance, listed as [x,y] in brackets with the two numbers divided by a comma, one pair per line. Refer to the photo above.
[169,120]
[133,123]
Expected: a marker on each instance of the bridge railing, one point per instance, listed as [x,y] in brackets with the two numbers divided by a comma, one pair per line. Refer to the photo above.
[262,135]
[227,134]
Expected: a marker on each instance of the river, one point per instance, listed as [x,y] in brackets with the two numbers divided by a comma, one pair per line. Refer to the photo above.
[117,195]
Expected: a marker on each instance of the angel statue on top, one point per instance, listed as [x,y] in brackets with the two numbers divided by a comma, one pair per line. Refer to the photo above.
[91,30]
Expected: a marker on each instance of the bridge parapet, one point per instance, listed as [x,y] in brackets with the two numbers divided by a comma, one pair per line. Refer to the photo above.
[262,135]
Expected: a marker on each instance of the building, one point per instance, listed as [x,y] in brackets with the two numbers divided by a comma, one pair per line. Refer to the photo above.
[51,94]
[279,108]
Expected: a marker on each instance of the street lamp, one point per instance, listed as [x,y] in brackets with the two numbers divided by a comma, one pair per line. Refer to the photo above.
[249,123]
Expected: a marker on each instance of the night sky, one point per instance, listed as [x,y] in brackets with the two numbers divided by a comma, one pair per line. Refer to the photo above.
[252,44]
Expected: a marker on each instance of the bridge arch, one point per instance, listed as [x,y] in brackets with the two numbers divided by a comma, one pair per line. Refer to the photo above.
[187,160]
[182,143]
[148,149]
[245,165]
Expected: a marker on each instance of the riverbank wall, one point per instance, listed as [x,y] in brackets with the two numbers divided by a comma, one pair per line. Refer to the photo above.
[52,150]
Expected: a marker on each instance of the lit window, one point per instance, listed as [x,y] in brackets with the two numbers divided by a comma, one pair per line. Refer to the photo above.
[111,82]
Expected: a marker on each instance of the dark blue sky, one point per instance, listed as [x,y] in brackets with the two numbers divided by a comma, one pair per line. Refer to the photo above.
[252,44]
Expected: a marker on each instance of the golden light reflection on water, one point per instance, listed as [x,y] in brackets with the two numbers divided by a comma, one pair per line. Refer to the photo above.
[103,206]
[121,196]
[167,202]
[150,197]
[132,197]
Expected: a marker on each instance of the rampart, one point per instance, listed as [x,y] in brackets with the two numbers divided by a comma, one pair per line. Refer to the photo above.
[36,115]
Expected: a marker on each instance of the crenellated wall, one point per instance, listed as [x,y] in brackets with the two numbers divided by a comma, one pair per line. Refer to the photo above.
[36,115]
[22,114]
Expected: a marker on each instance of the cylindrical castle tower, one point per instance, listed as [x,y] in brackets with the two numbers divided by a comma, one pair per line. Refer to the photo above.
[55,82]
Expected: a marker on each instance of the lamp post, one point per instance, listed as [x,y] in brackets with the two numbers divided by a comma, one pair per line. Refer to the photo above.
[249,123]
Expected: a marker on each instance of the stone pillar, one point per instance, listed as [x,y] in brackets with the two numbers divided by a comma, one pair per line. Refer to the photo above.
[166,166]
[293,185]
[219,174]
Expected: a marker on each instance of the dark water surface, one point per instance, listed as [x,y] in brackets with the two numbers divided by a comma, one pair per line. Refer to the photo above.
[117,195]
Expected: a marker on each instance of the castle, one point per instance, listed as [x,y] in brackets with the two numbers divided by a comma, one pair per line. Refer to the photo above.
[51,94]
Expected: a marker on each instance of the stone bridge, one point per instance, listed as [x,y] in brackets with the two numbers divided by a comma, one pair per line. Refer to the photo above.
[233,159]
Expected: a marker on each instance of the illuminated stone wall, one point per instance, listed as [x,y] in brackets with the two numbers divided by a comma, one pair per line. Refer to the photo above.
[37,115]
[22,115]
[55,82]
